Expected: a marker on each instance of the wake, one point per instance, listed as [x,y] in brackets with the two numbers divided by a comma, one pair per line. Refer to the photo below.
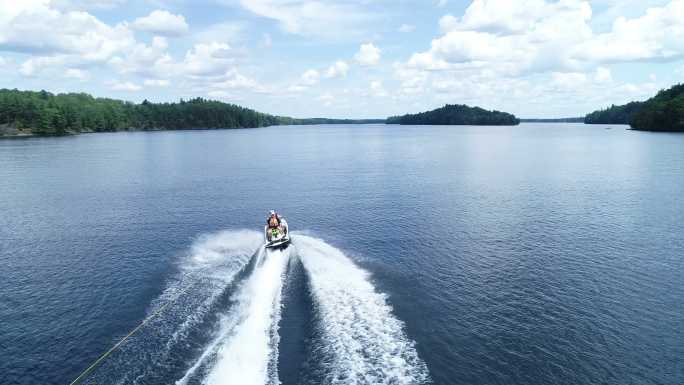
[361,341]
[204,273]
[224,310]
[244,351]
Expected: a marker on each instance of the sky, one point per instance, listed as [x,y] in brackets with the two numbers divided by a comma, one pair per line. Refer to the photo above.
[349,58]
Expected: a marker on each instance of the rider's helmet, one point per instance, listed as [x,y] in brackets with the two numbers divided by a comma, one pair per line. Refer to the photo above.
[271,213]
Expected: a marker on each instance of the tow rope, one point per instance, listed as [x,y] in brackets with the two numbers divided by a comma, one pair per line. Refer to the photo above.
[106,354]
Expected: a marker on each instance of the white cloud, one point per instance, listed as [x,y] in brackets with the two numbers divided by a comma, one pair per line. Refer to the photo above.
[78,74]
[368,55]
[296,88]
[532,36]
[310,78]
[448,23]
[37,64]
[123,86]
[338,69]
[232,79]
[377,89]
[550,54]
[156,82]
[162,23]
[2,61]
[34,27]
[569,80]
[657,35]
[80,5]
[442,3]
[603,75]
[327,99]
[314,18]
[406,28]
[207,59]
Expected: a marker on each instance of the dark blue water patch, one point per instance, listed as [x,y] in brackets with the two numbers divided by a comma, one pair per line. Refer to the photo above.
[295,325]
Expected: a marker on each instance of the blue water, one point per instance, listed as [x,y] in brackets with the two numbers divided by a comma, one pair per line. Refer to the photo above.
[536,254]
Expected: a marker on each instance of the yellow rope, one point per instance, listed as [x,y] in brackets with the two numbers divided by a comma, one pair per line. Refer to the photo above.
[90,368]
[113,348]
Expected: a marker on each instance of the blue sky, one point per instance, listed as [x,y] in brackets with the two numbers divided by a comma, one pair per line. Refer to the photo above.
[349,58]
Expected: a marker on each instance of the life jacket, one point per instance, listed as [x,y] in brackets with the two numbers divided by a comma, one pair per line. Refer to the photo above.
[273,221]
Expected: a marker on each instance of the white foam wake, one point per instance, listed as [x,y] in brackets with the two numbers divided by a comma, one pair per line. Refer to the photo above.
[245,348]
[363,343]
[212,263]
[204,272]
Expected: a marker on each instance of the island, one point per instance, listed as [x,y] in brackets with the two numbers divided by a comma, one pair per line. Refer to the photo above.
[457,114]
[663,112]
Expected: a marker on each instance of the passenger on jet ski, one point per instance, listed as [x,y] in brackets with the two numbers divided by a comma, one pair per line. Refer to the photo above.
[276,224]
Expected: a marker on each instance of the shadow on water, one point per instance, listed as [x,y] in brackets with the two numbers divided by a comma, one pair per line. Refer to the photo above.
[295,324]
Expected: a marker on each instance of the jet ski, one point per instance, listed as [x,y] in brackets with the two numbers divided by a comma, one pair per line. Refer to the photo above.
[277,237]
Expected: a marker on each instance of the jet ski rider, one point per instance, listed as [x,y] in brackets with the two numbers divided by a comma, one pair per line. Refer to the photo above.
[274,222]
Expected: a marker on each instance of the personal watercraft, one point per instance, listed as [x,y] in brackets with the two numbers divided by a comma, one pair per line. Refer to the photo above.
[278,236]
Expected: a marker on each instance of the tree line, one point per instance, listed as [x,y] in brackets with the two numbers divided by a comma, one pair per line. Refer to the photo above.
[457,114]
[44,113]
[614,114]
[663,112]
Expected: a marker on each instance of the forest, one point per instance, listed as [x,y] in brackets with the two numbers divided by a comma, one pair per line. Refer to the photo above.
[663,112]
[44,113]
[614,114]
[457,114]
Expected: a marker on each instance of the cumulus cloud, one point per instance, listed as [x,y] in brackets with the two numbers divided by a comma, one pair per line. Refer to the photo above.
[37,64]
[377,89]
[657,35]
[338,69]
[327,99]
[530,36]
[33,27]
[368,55]
[162,22]
[207,59]
[77,74]
[495,55]
[310,77]
[156,83]
[232,79]
[603,75]
[80,5]
[312,18]
[124,86]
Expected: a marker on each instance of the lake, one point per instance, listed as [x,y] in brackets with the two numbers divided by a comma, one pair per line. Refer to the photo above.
[537,254]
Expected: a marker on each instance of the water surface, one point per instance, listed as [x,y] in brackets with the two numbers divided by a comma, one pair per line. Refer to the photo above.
[544,253]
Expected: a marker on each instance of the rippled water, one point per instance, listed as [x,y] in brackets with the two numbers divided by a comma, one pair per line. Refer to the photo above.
[474,255]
